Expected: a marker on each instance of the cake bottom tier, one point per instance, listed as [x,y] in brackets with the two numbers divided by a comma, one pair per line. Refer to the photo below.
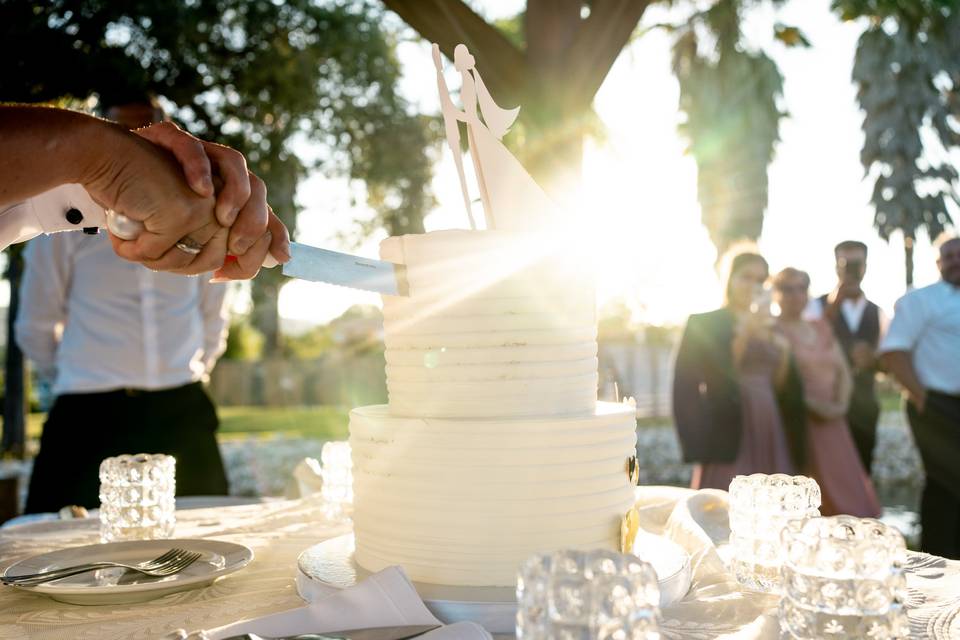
[466,501]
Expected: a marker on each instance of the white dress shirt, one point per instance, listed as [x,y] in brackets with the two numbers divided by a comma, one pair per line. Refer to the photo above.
[47,213]
[852,311]
[927,324]
[91,321]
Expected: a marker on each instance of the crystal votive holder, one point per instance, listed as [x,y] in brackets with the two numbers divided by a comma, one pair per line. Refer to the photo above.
[588,595]
[336,468]
[843,579]
[760,507]
[137,497]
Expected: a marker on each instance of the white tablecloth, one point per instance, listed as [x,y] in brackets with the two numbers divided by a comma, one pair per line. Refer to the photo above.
[279,531]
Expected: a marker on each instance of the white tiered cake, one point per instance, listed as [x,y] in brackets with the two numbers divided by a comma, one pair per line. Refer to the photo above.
[493,445]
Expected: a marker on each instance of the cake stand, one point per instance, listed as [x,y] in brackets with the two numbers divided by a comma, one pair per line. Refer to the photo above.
[326,567]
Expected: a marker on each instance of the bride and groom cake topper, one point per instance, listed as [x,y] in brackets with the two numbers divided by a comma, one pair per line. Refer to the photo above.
[512,200]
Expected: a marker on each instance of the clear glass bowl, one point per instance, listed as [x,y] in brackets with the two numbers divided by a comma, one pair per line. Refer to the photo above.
[588,595]
[760,507]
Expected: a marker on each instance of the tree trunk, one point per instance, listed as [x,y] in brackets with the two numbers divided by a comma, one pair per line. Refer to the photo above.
[265,288]
[14,401]
[266,309]
[908,242]
[554,79]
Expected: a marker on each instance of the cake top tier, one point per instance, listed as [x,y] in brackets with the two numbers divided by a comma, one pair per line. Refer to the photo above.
[497,324]
[488,264]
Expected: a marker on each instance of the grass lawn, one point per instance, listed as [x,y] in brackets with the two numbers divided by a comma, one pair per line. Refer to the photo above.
[322,422]
[325,423]
[328,423]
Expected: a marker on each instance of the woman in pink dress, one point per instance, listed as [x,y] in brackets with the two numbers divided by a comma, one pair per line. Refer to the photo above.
[737,397]
[831,454]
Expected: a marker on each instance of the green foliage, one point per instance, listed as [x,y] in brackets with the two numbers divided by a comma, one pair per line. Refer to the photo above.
[309,345]
[259,75]
[913,11]
[907,72]
[790,36]
[512,28]
[359,330]
[730,97]
[244,341]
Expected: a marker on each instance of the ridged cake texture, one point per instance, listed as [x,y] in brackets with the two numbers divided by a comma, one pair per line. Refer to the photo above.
[495,325]
[493,446]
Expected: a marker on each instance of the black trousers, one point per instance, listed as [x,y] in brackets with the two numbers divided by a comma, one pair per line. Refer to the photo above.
[937,433]
[83,429]
[863,415]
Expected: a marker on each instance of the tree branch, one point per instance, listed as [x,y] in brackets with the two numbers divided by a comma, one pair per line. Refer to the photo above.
[601,38]
[451,22]
[551,27]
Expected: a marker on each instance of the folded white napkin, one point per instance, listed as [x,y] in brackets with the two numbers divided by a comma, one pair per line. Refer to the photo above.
[384,599]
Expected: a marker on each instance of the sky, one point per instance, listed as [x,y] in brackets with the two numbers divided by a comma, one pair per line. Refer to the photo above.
[640,187]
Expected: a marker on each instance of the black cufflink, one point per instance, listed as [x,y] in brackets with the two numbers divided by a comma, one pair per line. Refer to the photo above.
[74,215]
[91,231]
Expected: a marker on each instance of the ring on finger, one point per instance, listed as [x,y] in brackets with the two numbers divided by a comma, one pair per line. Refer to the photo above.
[188,245]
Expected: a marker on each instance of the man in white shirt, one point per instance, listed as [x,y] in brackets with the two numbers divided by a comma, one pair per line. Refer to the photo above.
[127,348]
[858,325]
[922,351]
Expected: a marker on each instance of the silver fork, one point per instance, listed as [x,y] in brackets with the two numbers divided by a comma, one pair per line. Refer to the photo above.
[169,563]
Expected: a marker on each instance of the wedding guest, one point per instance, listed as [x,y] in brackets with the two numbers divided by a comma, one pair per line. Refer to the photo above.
[922,351]
[827,384]
[737,397]
[857,324]
[125,347]
[166,179]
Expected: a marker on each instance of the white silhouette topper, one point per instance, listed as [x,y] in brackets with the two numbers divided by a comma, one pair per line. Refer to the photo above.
[512,199]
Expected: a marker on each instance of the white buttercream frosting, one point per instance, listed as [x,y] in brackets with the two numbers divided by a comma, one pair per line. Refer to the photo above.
[493,446]
[497,324]
[465,501]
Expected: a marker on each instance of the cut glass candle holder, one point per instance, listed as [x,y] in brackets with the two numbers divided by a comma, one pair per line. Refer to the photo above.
[760,507]
[336,467]
[843,579]
[137,497]
[587,595]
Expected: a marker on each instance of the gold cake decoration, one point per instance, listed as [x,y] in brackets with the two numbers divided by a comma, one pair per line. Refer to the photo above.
[629,526]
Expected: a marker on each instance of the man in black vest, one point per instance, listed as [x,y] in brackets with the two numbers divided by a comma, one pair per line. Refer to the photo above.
[856,323]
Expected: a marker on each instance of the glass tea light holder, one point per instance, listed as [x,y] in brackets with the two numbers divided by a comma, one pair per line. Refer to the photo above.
[760,507]
[137,497]
[843,579]
[336,468]
[587,595]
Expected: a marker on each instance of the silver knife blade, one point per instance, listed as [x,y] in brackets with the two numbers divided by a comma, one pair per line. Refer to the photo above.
[323,265]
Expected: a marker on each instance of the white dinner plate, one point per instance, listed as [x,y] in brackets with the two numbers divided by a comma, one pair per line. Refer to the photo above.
[116,586]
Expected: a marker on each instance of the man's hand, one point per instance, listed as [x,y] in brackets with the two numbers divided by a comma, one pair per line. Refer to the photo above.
[843,291]
[900,365]
[145,183]
[919,399]
[862,356]
[236,221]
[241,199]
[276,241]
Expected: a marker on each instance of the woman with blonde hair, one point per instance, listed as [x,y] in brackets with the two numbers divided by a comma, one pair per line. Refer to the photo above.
[832,455]
[737,397]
